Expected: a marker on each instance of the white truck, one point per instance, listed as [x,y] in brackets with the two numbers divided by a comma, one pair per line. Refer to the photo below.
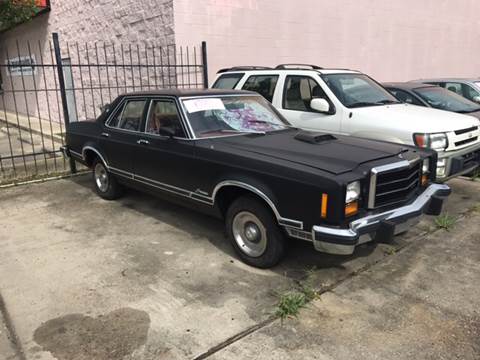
[351,103]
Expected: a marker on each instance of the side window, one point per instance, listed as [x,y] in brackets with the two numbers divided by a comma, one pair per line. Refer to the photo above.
[454,87]
[164,114]
[405,97]
[470,93]
[228,81]
[299,92]
[262,84]
[130,116]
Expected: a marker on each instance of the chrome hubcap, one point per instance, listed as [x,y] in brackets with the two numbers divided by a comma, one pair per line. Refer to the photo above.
[101,177]
[249,233]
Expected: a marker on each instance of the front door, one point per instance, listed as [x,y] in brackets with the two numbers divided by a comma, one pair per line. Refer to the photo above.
[164,156]
[298,91]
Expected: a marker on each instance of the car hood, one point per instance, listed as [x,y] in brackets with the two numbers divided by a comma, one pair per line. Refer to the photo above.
[475,114]
[417,119]
[336,155]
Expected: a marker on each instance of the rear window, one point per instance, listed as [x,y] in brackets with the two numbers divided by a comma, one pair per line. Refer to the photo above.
[228,81]
[262,84]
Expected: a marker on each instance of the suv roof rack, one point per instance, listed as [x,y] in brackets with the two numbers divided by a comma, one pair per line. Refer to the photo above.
[297,66]
[238,68]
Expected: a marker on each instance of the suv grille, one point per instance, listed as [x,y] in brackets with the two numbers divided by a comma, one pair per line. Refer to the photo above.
[466,136]
[464,131]
[392,184]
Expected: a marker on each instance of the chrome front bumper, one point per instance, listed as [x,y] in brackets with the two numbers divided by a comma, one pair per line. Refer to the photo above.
[381,226]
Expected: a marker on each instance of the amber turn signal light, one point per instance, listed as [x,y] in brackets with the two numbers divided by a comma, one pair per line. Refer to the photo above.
[351,208]
[323,212]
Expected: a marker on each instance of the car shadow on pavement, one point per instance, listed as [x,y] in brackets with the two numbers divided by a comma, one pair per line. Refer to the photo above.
[301,257]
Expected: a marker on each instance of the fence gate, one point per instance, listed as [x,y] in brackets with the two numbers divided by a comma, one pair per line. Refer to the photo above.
[46,85]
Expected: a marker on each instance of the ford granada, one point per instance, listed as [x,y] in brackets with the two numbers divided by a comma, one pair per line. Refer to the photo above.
[232,155]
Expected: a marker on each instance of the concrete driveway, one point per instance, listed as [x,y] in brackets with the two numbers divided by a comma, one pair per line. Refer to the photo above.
[140,278]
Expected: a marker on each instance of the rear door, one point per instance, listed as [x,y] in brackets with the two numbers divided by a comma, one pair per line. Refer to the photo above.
[121,133]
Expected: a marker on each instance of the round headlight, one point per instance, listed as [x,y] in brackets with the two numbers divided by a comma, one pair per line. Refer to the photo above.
[353,192]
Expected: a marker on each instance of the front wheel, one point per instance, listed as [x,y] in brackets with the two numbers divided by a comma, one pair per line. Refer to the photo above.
[106,186]
[254,233]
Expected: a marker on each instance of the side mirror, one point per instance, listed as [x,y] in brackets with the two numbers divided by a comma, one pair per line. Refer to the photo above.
[320,105]
[476,99]
[166,131]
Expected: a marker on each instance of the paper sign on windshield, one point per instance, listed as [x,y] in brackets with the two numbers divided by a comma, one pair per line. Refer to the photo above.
[196,105]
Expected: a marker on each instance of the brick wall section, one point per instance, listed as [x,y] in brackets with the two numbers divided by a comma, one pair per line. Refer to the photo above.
[145,23]
[390,40]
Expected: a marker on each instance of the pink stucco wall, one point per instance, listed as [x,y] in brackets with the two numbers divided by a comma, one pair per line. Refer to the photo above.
[390,40]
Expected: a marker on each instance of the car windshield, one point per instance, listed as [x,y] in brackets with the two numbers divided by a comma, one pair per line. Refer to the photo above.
[229,115]
[358,90]
[440,98]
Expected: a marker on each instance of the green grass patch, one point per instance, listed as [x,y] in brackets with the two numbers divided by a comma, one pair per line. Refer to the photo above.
[290,302]
[445,222]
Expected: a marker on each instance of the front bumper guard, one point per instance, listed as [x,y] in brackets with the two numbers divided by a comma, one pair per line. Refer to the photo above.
[380,227]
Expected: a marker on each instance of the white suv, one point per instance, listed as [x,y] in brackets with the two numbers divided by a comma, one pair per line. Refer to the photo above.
[351,103]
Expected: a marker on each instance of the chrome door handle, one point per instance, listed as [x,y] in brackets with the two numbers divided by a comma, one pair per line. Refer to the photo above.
[142,141]
[105,134]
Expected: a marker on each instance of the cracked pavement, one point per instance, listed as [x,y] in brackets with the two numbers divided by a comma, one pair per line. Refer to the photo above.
[141,278]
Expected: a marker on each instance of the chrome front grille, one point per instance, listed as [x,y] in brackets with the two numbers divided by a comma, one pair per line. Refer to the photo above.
[393,183]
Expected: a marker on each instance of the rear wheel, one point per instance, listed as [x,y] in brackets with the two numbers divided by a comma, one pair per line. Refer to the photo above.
[254,233]
[106,186]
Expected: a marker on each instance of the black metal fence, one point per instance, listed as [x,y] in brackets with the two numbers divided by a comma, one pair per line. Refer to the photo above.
[46,85]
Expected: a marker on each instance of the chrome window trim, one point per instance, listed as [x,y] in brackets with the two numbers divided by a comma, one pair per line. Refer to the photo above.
[124,103]
[374,175]
[181,118]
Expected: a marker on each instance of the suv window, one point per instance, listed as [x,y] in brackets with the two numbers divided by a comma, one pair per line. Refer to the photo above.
[262,84]
[299,92]
[228,81]
[164,114]
[454,87]
[405,97]
[130,116]
[470,93]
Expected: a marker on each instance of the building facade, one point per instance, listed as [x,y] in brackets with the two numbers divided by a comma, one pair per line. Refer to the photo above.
[391,41]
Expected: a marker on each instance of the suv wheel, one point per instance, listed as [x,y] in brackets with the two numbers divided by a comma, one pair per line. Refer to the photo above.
[254,233]
[106,186]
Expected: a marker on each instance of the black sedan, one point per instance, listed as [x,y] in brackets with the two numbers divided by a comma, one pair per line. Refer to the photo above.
[231,154]
[433,96]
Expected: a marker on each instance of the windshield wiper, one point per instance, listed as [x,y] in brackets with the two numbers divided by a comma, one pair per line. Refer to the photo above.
[230,131]
[387,101]
[468,111]
[266,122]
[364,103]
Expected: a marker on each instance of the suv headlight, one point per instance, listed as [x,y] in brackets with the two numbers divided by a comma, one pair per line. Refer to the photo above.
[437,141]
[353,192]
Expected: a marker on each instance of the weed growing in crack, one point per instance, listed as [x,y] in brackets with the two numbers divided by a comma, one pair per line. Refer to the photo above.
[445,222]
[290,302]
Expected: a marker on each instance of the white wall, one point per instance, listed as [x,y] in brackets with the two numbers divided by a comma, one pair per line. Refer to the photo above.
[390,40]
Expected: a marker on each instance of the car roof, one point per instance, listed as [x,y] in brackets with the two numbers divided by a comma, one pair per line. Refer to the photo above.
[406,85]
[189,92]
[290,71]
